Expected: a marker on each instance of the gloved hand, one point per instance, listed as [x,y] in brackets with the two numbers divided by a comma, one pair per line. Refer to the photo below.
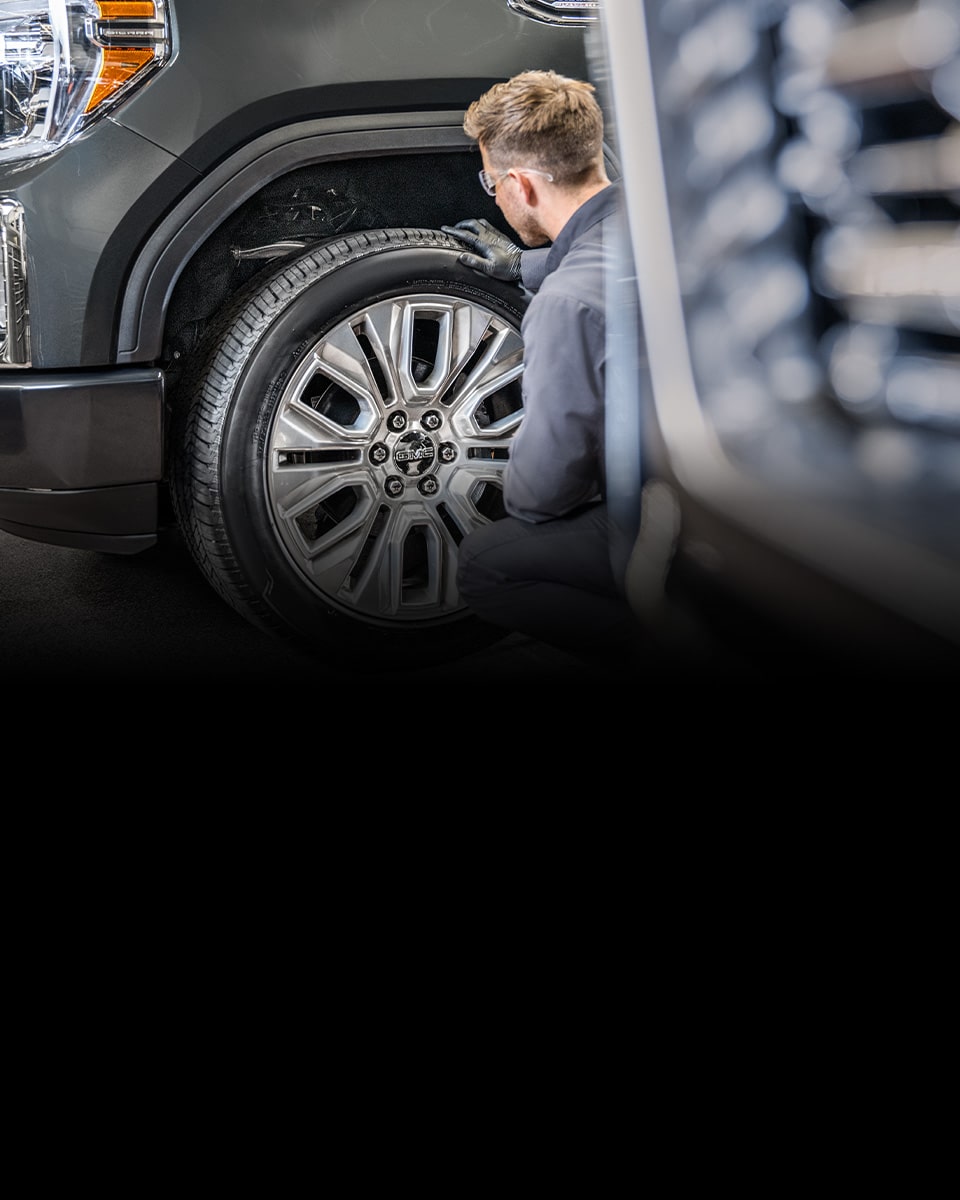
[493,254]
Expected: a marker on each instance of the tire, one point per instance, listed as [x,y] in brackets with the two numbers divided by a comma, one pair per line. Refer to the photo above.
[346,424]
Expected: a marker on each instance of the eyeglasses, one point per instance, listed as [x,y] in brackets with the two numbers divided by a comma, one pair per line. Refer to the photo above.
[489,182]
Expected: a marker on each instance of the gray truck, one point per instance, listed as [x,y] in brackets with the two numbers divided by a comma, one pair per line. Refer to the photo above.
[227,312]
[226,308]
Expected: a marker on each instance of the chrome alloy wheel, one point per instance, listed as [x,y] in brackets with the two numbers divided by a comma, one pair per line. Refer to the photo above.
[388,445]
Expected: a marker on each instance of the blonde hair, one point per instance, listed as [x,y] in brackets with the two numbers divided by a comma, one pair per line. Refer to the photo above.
[539,119]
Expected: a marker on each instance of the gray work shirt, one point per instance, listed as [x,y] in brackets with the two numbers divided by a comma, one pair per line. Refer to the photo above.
[556,463]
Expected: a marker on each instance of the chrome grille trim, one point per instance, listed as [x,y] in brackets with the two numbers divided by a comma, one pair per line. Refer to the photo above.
[558,12]
[14,310]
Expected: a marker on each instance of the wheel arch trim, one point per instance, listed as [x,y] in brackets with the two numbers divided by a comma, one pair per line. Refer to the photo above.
[188,225]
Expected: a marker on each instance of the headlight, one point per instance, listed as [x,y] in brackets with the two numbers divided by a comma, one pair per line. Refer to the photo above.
[64,63]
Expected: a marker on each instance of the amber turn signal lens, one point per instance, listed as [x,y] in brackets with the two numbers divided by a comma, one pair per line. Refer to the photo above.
[127,8]
[119,64]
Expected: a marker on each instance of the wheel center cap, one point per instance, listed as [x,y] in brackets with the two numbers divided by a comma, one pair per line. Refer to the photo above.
[414,453]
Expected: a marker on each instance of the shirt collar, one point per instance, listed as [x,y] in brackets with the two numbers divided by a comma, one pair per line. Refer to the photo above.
[587,215]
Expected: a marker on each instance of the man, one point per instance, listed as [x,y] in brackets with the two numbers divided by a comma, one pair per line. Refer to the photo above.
[546,568]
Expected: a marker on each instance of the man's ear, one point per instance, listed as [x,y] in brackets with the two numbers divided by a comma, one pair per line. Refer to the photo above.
[528,188]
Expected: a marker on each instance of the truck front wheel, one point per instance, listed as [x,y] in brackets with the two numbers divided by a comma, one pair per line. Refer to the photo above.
[346,424]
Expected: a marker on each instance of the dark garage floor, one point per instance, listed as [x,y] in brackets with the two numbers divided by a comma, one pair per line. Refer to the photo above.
[69,615]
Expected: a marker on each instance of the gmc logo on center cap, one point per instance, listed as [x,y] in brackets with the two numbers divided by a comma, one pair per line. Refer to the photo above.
[414,453]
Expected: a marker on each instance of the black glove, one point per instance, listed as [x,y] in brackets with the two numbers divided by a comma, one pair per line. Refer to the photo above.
[493,254]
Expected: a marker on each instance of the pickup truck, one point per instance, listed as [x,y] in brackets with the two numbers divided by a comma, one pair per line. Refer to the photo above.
[227,313]
[227,310]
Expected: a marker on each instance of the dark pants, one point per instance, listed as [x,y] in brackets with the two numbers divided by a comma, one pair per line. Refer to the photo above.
[553,581]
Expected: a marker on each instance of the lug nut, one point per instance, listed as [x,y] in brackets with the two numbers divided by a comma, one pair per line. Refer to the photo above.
[397,421]
[378,453]
[431,420]
[393,486]
[446,452]
[428,485]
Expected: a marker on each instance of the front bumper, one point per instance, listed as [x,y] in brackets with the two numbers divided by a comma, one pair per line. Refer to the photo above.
[81,457]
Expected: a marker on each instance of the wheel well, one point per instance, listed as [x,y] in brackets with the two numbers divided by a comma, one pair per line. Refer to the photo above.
[314,203]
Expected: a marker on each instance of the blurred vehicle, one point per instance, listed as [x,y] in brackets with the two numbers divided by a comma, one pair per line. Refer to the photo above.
[792,254]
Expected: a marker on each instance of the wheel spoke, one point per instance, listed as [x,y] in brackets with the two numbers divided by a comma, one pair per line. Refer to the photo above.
[409,569]
[499,364]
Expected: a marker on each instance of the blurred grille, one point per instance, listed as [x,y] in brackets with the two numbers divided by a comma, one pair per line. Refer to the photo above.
[874,91]
[812,159]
